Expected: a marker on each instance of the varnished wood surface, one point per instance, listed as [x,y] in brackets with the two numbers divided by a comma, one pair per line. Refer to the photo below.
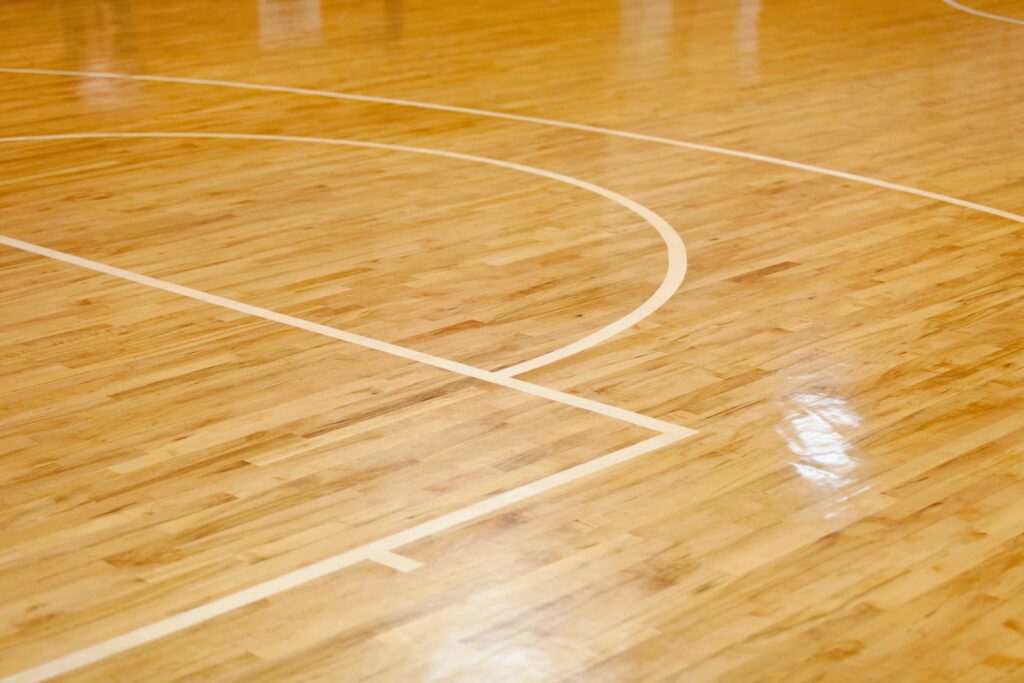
[851,356]
[275,448]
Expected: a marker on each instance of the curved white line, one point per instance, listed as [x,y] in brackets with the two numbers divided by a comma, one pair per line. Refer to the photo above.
[853,177]
[675,269]
[645,308]
[970,10]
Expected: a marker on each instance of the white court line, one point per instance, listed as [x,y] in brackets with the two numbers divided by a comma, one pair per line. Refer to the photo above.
[970,10]
[203,613]
[675,250]
[395,561]
[725,151]
[587,404]
[370,551]
[378,551]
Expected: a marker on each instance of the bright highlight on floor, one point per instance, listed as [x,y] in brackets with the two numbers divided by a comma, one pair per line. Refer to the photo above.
[616,341]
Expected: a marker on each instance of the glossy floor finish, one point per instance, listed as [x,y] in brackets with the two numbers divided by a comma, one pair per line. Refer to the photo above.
[305,383]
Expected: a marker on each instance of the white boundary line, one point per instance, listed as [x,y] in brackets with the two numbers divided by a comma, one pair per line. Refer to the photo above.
[675,269]
[970,10]
[587,404]
[380,551]
[229,603]
[371,551]
[763,158]
[397,562]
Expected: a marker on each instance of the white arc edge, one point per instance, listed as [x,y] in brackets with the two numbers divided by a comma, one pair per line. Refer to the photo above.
[987,15]
[675,269]
[378,551]
[373,551]
[725,151]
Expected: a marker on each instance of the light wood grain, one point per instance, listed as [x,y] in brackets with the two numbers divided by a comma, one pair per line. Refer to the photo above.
[852,356]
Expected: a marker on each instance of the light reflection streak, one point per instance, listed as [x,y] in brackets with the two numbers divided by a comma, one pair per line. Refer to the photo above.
[813,431]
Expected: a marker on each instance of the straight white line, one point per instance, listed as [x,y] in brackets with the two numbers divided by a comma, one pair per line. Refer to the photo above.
[370,551]
[229,603]
[763,158]
[675,250]
[970,10]
[589,405]
[395,561]
[382,551]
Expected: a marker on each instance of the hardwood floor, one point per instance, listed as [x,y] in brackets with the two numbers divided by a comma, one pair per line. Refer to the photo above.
[282,409]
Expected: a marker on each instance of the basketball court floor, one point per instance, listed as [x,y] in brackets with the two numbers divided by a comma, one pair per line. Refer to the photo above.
[491,340]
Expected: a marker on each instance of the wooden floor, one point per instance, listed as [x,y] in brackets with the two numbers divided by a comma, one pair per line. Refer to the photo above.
[345,341]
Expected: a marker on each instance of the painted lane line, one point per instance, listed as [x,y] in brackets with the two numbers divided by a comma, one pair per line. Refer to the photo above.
[970,10]
[711,149]
[373,551]
[587,404]
[675,250]
[395,561]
